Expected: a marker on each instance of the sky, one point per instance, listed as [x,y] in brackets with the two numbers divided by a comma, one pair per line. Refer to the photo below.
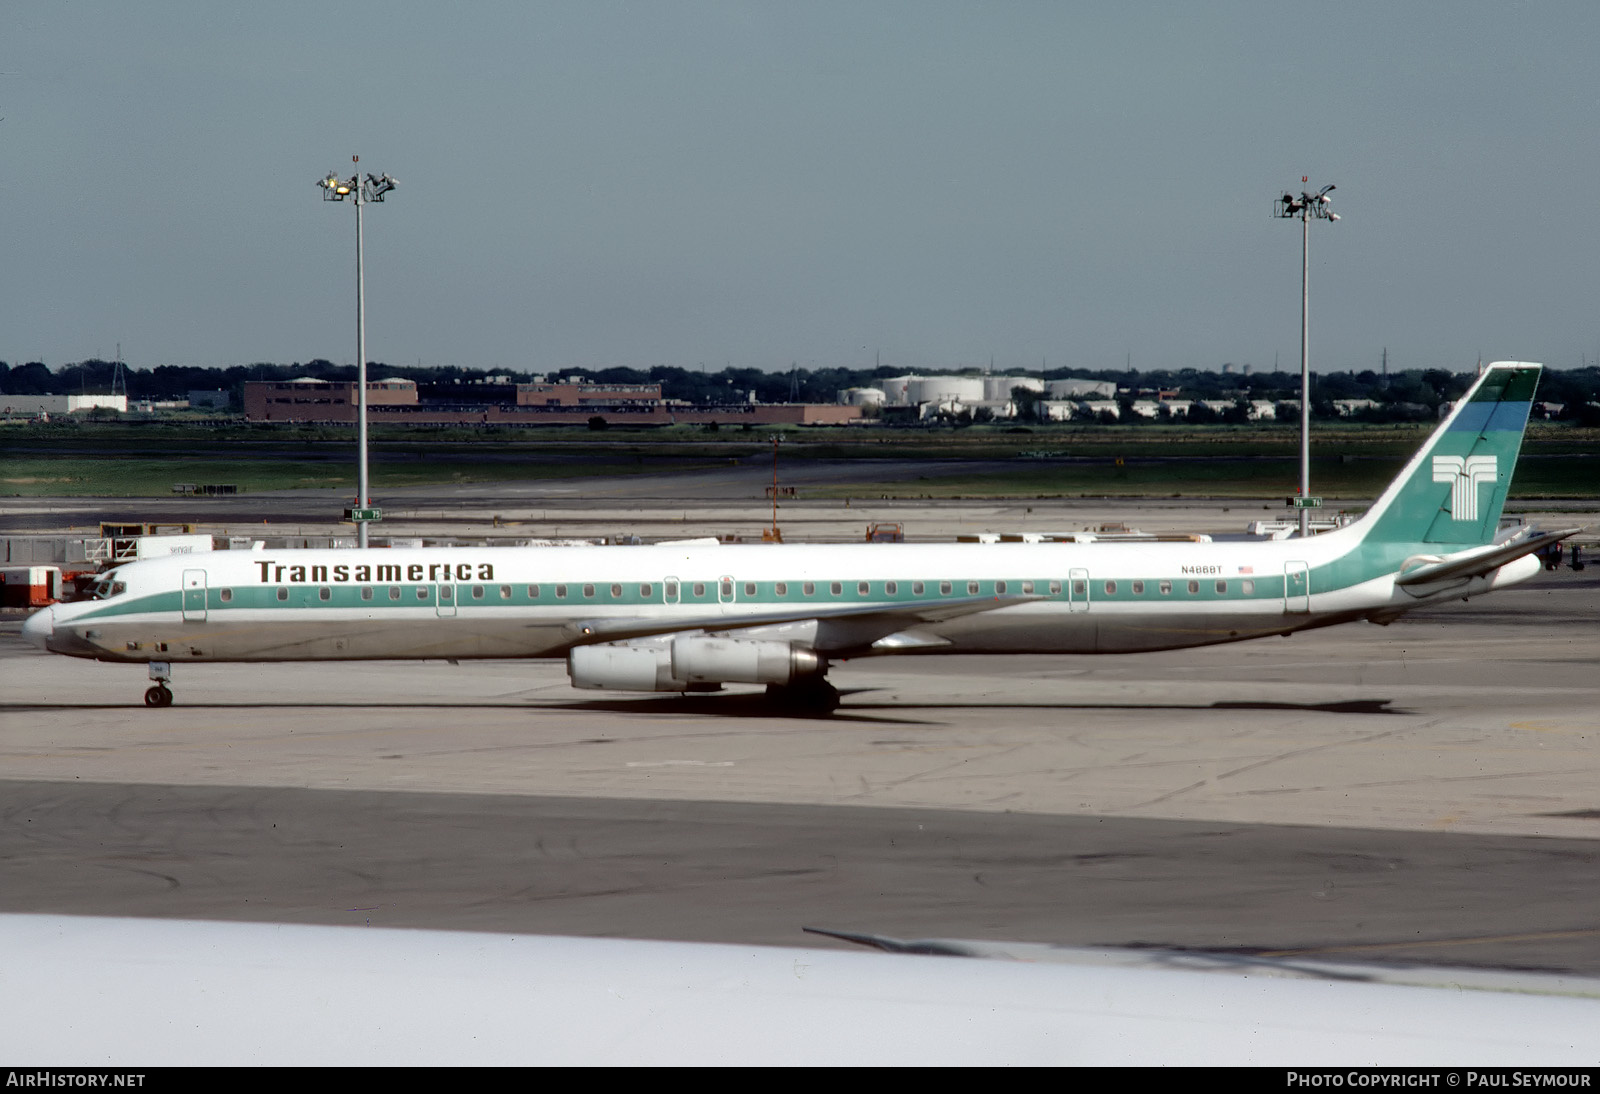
[702,184]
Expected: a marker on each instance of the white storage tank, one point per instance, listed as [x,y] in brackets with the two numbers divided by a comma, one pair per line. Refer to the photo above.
[999,387]
[1082,389]
[862,396]
[946,389]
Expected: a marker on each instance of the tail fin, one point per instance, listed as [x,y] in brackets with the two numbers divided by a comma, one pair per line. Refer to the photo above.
[1452,491]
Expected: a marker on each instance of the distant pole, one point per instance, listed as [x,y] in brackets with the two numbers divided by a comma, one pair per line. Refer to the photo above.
[372,188]
[1305,368]
[1306,207]
[363,484]
[776,536]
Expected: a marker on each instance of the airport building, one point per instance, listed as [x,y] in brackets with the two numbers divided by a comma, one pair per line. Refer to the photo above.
[505,402]
[933,396]
[34,405]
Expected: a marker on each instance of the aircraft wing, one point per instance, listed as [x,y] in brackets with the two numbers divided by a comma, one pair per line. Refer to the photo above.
[176,993]
[847,627]
[1480,561]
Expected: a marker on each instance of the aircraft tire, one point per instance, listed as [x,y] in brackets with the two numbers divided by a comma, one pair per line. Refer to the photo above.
[157,696]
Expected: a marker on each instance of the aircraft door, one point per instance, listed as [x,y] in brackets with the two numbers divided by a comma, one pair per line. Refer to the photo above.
[194,596]
[444,604]
[1296,587]
[725,590]
[669,590]
[1077,590]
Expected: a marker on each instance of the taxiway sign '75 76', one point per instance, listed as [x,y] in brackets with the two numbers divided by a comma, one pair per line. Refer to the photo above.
[676,617]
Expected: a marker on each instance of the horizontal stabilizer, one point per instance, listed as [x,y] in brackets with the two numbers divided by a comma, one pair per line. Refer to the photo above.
[1480,562]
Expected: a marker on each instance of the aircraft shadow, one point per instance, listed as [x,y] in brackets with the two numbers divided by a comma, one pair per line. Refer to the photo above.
[744,706]
[1354,706]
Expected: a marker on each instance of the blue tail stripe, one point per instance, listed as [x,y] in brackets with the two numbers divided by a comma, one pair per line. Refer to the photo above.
[1486,417]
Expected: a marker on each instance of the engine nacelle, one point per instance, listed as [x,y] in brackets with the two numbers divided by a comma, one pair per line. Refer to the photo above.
[689,664]
[623,668]
[732,660]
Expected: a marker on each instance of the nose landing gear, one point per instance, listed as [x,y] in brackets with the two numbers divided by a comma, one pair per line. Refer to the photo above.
[160,695]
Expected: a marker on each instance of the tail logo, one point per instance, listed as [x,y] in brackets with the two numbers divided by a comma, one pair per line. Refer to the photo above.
[1464,474]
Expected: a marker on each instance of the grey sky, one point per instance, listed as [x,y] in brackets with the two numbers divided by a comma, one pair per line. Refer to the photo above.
[600,184]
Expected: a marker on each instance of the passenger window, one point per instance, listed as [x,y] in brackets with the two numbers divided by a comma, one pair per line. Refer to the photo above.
[890,588]
[422,592]
[944,588]
[699,588]
[1194,587]
[324,593]
[781,588]
[835,588]
[1166,588]
[749,588]
[1111,588]
[645,591]
[1222,586]
[672,590]
[1080,588]
[1055,588]
[588,591]
[972,588]
[444,592]
[917,588]
[616,592]
[366,592]
[727,589]
[505,592]
[1027,588]
[811,588]
[1138,588]
[533,592]
[1247,587]
[863,588]
[226,595]
[561,592]
[283,594]
[394,592]
[477,592]
[999,588]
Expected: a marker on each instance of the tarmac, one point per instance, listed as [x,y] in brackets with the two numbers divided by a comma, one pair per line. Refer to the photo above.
[1424,792]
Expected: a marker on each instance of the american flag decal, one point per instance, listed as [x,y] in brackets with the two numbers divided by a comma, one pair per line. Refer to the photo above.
[1247,569]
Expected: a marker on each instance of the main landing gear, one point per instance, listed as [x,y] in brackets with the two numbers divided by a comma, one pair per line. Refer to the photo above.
[160,695]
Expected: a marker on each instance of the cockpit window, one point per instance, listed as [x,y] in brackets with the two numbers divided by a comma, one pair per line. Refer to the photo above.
[107,587]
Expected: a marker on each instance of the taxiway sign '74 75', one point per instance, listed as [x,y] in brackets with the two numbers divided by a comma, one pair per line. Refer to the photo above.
[680,617]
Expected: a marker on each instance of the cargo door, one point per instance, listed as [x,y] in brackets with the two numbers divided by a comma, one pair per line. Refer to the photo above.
[194,596]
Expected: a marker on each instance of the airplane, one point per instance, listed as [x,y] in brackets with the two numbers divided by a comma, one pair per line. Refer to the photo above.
[696,615]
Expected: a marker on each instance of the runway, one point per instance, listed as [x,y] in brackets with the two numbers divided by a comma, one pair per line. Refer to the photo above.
[1425,792]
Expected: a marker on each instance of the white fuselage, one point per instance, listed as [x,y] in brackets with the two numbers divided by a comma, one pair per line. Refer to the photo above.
[476,602]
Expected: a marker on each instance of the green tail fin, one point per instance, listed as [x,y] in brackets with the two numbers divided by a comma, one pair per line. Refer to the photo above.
[1453,490]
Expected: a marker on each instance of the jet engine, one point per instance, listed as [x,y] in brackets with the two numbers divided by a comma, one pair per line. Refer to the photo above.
[690,663]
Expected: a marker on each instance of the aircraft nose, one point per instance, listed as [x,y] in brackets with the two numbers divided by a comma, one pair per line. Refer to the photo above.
[39,626]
